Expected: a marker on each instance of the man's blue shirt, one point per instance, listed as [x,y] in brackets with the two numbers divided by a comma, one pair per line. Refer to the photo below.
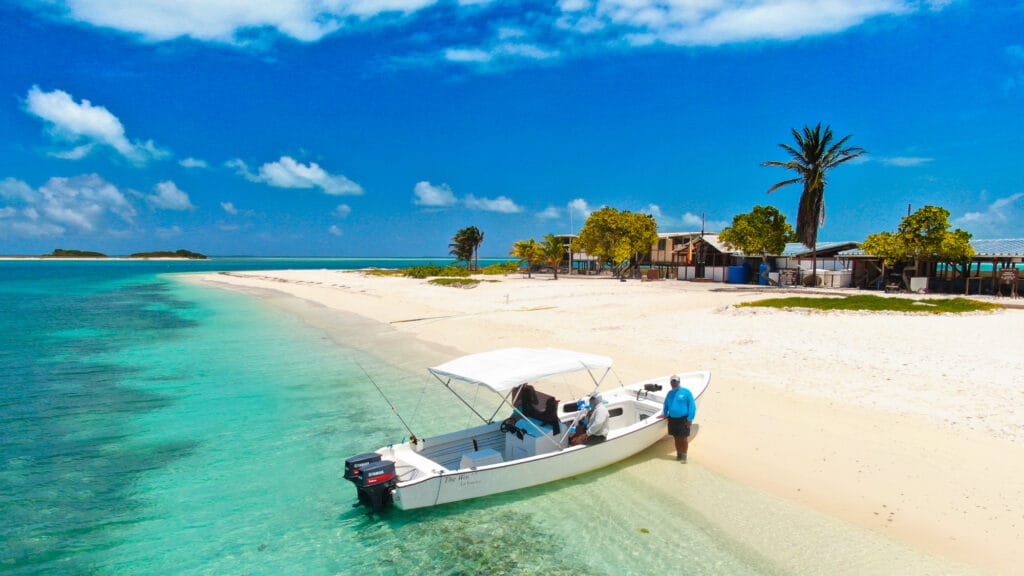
[679,404]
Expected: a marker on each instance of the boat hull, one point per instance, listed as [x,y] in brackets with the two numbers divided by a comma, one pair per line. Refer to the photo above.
[428,483]
[459,485]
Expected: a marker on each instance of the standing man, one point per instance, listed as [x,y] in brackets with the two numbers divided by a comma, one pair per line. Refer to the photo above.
[680,409]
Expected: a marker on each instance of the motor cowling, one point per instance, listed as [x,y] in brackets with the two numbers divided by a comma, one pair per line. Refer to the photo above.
[375,479]
[355,463]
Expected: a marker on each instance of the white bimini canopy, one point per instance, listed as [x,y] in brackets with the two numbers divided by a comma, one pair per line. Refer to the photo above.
[504,369]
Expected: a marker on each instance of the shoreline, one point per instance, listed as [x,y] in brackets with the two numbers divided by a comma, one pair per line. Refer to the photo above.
[799,406]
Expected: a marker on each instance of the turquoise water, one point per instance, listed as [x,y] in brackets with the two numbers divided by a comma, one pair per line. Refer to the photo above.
[152,426]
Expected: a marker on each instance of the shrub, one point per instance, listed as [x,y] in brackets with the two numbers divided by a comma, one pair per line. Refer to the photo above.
[384,272]
[500,268]
[455,282]
[433,270]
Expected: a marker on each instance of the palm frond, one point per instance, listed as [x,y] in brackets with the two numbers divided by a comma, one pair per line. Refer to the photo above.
[783,183]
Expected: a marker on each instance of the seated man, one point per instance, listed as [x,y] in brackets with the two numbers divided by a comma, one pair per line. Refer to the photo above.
[594,426]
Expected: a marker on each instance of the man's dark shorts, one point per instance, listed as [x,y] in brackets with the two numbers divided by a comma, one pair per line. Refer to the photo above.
[591,440]
[678,427]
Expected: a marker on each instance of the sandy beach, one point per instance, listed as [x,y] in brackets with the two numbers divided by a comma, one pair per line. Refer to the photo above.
[909,426]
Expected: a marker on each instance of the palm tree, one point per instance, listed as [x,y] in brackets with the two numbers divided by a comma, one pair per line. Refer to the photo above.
[466,244]
[528,252]
[553,250]
[812,158]
[475,236]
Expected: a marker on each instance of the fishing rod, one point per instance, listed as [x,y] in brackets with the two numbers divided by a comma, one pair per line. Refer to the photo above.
[412,437]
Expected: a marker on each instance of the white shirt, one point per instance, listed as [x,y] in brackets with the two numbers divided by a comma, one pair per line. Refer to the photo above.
[597,424]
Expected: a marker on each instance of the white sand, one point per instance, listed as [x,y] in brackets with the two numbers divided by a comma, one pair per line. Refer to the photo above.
[911,426]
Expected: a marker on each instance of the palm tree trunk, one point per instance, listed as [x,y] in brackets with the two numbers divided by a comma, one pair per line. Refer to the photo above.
[814,264]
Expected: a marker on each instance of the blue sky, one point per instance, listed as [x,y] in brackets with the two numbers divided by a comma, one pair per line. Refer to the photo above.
[381,127]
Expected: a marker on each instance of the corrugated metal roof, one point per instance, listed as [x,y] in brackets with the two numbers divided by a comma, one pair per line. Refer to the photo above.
[797,249]
[678,234]
[999,247]
[713,240]
[984,248]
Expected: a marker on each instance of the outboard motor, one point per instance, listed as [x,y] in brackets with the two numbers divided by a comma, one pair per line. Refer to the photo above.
[374,479]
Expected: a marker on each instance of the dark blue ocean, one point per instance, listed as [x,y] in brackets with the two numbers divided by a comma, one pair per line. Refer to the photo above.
[153,426]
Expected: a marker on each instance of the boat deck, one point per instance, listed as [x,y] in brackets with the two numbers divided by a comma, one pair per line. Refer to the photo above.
[487,445]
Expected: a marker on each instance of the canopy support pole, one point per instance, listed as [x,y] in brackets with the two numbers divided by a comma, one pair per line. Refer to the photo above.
[461,399]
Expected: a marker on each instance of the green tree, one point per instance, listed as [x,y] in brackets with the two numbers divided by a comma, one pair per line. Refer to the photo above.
[763,231]
[885,245]
[465,246]
[614,236]
[553,252]
[922,236]
[641,235]
[812,157]
[528,252]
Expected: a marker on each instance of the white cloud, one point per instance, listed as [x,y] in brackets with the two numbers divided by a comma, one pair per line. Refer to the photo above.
[467,55]
[242,169]
[193,163]
[287,173]
[655,211]
[1000,217]
[73,122]
[83,202]
[513,34]
[730,21]
[501,204]
[693,223]
[574,5]
[230,21]
[17,190]
[169,197]
[76,153]
[86,204]
[905,161]
[342,211]
[334,230]
[579,208]
[500,53]
[550,213]
[229,207]
[30,228]
[429,195]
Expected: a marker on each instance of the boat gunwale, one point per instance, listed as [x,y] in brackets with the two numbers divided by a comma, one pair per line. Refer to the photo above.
[627,431]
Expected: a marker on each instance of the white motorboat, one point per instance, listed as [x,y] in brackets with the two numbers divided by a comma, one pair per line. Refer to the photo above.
[532,448]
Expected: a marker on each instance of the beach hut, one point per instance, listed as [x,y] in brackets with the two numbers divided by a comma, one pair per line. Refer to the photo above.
[997,267]
[835,268]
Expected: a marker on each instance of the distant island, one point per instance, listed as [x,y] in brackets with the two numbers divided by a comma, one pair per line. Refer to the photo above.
[176,254]
[60,253]
[185,254]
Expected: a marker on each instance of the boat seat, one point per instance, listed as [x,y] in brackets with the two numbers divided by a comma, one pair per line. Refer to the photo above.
[536,405]
[481,458]
[531,429]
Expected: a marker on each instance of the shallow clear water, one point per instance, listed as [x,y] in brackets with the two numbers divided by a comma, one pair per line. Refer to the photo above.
[155,427]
